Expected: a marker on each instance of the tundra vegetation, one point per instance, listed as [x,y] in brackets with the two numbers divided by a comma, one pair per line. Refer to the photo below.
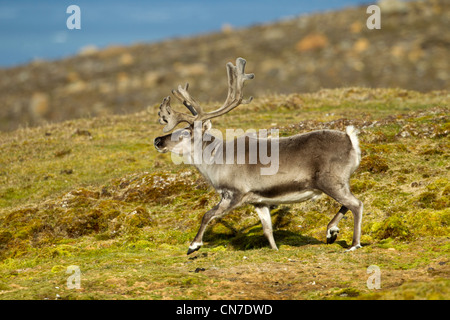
[94,193]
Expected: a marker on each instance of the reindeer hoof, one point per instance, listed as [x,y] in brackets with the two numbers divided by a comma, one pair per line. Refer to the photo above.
[353,248]
[331,239]
[332,234]
[194,247]
[192,250]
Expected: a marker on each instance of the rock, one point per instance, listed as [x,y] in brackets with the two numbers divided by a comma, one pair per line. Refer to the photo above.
[39,105]
[273,34]
[76,86]
[126,59]
[356,27]
[123,81]
[392,6]
[82,132]
[415,54]
[186,70]
[88,50]
[361,45]
[72,76]
[398,51]
[312,41]
[62,153]
[227,28]
[151,78]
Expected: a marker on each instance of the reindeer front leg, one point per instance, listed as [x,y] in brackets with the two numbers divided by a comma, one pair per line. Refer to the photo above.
[228,202]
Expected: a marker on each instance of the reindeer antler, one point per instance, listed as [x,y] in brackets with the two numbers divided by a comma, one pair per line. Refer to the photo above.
[236,78]
[171,117]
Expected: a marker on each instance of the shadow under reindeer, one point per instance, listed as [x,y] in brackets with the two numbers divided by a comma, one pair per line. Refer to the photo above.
[250,236]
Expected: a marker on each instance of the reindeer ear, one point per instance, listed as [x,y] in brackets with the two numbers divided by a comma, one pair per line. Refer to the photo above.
[207,125]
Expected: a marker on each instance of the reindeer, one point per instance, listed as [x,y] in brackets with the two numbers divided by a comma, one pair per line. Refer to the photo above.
[309,164]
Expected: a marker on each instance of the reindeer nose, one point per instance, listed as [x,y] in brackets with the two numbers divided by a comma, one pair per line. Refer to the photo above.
[157,142]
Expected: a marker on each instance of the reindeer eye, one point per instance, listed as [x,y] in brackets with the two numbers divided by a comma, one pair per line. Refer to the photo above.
[186,134]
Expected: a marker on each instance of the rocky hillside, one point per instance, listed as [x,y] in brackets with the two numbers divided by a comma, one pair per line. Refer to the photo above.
[304,54]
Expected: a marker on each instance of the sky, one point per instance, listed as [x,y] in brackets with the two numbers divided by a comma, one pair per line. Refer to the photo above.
[37,29]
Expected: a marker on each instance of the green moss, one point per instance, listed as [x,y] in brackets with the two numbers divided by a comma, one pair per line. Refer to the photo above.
[373,164]
[141,244]
[218,248]
[415,290]
[431,222]
[433,198]
[392,227]
[347,292]
[5,237]
[58,268]
[359,186]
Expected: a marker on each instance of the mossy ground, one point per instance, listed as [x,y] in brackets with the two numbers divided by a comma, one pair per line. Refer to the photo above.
[94,193]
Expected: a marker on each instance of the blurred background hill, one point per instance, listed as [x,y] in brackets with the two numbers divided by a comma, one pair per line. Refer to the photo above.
[298,54]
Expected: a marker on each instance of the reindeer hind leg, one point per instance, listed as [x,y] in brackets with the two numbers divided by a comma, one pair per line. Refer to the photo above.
[342,194]
[332,228]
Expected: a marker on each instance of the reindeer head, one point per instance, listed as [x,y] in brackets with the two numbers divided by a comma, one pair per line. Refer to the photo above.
[180,141]
[198,121]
